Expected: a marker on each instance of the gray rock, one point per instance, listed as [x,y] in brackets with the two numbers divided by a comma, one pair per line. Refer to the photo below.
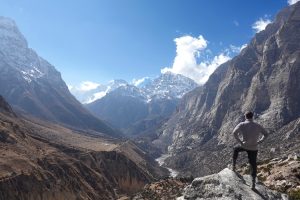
[227,185]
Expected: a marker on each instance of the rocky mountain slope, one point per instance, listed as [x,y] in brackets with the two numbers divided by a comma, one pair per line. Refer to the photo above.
[40,160]
[264,78]
[33,86]
[135,110]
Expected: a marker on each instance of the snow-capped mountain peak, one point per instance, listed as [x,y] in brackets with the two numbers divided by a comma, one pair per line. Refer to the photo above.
[90,95]
[166,86]
[169,85]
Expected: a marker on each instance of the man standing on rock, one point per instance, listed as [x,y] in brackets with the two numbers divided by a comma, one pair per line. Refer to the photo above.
[251,132]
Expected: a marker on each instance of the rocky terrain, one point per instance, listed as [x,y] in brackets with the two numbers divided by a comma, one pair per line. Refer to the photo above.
[165,189]
[139,110]
[40,160]
[34,87]
[227,185]
[280,174]
[263,78]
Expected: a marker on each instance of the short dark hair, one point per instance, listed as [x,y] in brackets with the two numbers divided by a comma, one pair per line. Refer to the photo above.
[249,115]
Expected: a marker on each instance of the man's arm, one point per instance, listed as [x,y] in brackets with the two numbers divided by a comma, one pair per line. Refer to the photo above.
[264,135]
[236,134]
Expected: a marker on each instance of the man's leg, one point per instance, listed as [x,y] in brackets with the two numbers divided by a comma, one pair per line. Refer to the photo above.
[236,151]
[252,156]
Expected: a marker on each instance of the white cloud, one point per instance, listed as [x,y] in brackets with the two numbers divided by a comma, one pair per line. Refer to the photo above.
[137,82]
[87,86]
[70,87]
[188,49]
[291,2]
[261,24]
[237,49]
[243,47]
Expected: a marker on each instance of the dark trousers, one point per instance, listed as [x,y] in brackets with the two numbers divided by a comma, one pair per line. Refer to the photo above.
[252,156]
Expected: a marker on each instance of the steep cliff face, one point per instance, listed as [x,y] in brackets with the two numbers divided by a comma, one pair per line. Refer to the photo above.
[264,78]
[33,86]
[40,160]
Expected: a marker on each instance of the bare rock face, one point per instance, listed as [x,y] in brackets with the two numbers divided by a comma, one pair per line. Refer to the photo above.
[227,185]
[264,78]
[33,86]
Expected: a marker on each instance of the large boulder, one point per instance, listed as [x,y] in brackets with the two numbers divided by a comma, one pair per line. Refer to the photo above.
[228,185]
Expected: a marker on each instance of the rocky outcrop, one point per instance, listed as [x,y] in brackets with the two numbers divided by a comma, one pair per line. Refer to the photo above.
[33,86]
[227,185]
[264,78]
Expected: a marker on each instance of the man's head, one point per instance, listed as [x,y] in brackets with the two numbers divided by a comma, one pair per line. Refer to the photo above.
[249,115]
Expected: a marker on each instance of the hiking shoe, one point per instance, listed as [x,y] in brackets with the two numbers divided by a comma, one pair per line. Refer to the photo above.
[253,185]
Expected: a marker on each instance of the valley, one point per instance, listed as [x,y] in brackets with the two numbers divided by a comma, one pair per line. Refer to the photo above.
[164,138]
[57,162]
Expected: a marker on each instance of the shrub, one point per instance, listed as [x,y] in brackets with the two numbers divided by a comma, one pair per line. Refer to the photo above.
[294,195]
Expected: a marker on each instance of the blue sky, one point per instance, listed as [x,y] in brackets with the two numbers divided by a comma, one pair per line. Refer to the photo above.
[101,40]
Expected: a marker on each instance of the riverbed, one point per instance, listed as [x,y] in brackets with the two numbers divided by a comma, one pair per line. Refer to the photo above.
[161,162]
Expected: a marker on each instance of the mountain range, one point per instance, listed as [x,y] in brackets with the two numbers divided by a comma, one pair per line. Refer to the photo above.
[167,85]
[34,87]
[53,147]
[132,108]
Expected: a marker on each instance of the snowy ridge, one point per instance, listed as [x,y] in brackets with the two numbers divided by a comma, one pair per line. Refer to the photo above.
[14,47]
[33,73]
[169,86]
[166,86]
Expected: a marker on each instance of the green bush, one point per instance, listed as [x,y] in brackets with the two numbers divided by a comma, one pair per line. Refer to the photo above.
[294,195]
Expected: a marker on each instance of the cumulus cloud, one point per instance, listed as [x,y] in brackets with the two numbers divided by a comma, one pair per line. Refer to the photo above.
[261,24]
[188,51]
[291,2]
[87,86]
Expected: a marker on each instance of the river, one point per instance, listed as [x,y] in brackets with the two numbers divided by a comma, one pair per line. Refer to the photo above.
[161,161]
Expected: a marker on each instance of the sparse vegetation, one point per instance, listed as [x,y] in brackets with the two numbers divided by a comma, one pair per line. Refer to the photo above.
[262,178]
[294,194]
